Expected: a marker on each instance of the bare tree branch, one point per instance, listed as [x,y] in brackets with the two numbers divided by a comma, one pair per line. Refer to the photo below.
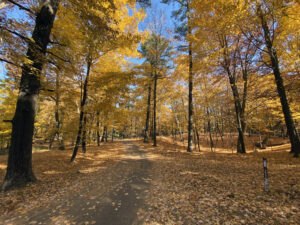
[7,121]
[9,62]
[17,34]
[21,7]
[60,58]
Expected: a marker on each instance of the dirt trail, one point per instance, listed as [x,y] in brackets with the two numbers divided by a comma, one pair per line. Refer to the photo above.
[115,201]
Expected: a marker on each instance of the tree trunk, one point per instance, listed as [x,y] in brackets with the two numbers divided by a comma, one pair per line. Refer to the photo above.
[243,107]
[51,140]
[83,101]
[154,109]
[198,139]
[238,111]
[106,135]
[112,134]
[179,127]
[237,104]
[19,166]
[146,134]
[98,131]
[228,60]
[83,141]
[190,119]
[209,130]
[58,120]
[103,134]
[291,129]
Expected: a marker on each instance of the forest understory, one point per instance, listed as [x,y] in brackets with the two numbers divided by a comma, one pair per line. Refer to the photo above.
[186,188]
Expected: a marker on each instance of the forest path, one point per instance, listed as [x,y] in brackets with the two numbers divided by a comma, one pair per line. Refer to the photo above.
[114,202]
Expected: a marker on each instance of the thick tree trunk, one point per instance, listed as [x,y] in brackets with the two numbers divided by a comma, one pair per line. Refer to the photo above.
[154,109]
[19,166]
[83,101]
[291,129]
[98,131]
[146,134]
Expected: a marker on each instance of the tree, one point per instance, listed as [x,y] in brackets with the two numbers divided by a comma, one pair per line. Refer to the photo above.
[95,13]
[184,30]
[120,34]
[19,168]
[266,10]
[156,50]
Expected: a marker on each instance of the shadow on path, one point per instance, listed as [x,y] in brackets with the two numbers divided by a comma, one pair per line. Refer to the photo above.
[113,199]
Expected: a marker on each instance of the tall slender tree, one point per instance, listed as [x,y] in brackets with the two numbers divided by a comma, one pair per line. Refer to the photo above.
[156,50]
[183,30]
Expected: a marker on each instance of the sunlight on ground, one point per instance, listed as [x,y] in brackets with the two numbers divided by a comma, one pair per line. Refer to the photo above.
[2,166]
[92,169]
[51,172]
[55,173]
[217,187]
[189,172]
[139,157]
[181,147]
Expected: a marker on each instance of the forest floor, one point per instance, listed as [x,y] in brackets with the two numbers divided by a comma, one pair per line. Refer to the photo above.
[134,183]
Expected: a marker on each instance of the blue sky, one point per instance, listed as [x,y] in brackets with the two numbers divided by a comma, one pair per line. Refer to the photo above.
[157,7]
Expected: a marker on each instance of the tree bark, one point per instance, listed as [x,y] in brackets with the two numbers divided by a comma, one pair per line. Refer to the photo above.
[83,101]
[58,116]
[191,113]
[83,142]
[178,126]
[237,102]
[58,121]
[154,109]
[103,134]
[291,129]
[19,166]
[198,139]
[146,134]
[209,130]
[98,131]
[190,119]
[238,111]
[112,134]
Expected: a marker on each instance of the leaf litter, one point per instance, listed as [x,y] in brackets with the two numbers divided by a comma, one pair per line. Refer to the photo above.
[56,175]
[215,188]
